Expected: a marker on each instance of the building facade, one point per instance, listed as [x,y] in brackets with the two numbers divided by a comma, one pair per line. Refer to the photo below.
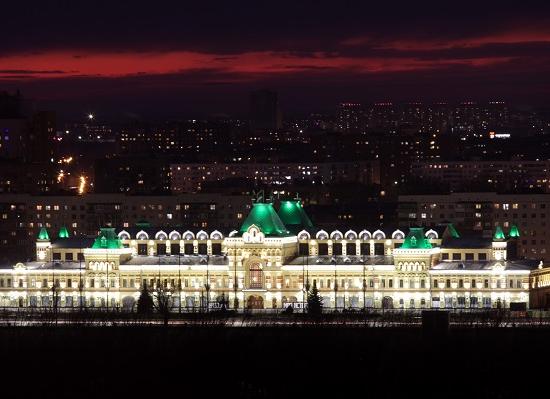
[270,262]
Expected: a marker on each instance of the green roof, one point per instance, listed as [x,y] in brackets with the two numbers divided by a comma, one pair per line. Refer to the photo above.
[264,216]
[452,231]
[499,234]
[43,234]
[416,239]
[293,216]
[107,239]
[63,233]
[514,231]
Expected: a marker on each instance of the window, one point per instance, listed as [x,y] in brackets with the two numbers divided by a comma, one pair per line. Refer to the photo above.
[323,249]
[422,283]
[456,256]
[469,256]
[400,283]
[142,249]
[69,283]
[519,284]
[486,283]
[390,283]
[161,249]
[365,248]
[69,256]
[448,283]
[460,283]
[337,249]
[174,249]
[444,256]
[436,284]
[482,256]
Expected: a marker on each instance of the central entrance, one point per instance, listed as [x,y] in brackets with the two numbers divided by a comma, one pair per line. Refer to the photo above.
[255,275]
[255,302]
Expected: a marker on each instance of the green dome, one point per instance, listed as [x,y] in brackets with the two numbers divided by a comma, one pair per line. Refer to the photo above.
[452,231]
[43,234]
[264,216]
[416,239]
[514,231]
[63,233]
[107,239]
[499,234]
[294,217]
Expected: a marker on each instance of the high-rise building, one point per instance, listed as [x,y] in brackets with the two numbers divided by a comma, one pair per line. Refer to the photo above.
[265,113]
[350,118]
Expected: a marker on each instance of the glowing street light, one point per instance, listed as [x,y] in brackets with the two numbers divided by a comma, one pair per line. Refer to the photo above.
[90,116]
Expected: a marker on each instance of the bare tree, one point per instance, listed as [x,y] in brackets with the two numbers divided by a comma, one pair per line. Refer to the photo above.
[163,301]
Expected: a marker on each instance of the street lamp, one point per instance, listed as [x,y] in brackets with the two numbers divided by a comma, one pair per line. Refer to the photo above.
[207,283]
[80,285]
[179,279]
[364,285]
[333,261]
[235,299]
[307,276]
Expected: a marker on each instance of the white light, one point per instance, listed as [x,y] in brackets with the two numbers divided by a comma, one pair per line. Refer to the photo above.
[90,116]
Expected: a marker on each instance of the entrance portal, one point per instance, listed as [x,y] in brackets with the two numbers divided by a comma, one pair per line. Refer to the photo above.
[255,302]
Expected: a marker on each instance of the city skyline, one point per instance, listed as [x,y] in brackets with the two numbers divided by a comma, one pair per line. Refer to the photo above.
[133,59]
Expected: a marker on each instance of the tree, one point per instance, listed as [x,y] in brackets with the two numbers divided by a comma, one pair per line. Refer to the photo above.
[314,301]
[145,301]
[163,301]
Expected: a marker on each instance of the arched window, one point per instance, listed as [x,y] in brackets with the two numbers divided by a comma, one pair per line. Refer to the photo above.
[255,275]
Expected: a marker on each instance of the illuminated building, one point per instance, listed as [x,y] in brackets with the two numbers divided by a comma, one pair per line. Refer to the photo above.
[498,175]
[268,263]
[483,212]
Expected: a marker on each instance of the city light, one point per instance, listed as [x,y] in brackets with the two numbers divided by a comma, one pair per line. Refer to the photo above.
[82,185]
[90,116]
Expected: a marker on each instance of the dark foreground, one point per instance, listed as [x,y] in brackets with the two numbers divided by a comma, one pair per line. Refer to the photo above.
[141,361]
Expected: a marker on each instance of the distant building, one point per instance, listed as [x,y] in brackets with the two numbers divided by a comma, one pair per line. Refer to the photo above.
[265,112]
[132,175]
[484,212]
[500,175]
[191,177]
[350,118]
[23,215]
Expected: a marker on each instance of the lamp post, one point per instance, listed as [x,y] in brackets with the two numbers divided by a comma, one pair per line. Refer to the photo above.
[364,286]
[207,283]
[235,284]
[179,280]
[108,282]
[307,275]
[80,285]
[54,299]
[333,260]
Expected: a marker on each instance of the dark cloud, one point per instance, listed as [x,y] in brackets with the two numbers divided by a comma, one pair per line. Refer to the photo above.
[322,51]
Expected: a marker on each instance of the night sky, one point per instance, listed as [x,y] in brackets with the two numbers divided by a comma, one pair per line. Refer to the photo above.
[183,58]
